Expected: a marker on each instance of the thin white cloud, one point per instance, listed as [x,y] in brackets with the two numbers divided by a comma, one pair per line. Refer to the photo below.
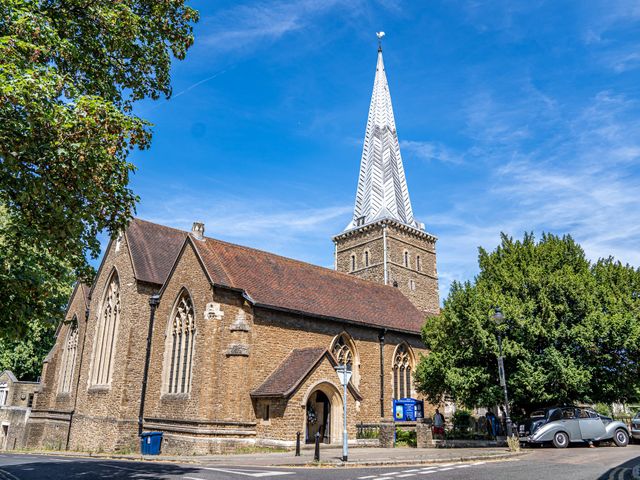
[247,26]
[582,181]
[431,151]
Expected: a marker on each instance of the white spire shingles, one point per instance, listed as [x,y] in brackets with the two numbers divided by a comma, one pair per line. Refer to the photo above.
[382,187]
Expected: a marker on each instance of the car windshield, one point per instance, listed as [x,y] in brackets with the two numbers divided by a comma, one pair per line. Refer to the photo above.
[637,415]
[538,414]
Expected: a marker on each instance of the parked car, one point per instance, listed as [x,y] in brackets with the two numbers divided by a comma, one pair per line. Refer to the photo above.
[635,427]
[563,425]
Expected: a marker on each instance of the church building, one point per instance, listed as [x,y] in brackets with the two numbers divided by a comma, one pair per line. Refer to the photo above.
[219,345]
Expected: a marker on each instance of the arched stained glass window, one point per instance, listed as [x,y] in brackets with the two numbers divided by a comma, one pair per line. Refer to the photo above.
[68,363]
[402,372]
[342,351]
[182,339]
[105,339]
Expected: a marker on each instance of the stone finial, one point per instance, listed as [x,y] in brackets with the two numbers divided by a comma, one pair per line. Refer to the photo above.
[198,230]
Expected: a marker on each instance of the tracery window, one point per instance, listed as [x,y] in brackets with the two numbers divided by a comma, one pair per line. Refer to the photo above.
[342,351]
[182,339]
[69,357]
[105,339]
[402,372]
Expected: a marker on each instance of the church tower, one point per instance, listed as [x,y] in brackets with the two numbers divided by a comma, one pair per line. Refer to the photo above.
[383,242]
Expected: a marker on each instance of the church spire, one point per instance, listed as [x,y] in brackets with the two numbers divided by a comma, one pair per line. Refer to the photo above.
[382,186]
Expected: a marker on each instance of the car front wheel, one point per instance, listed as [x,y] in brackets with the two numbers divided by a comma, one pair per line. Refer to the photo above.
[561,440]
[621,438]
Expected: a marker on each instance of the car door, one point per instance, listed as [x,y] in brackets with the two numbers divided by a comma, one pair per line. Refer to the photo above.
[591,427]
[570,424]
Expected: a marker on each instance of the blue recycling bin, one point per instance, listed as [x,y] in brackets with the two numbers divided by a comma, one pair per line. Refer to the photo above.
[150,443]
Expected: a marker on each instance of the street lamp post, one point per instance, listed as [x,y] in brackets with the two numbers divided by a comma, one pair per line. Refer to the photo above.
[344,373]
[498,318]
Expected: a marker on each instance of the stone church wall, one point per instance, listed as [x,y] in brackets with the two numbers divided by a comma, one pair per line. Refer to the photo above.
[236,347]
[48,425]
[106,417]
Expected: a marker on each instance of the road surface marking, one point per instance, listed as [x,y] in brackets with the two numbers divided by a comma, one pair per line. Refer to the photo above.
[411,471]
[368,476]
[7,475]
[249,473]
[193,478]
[407,475]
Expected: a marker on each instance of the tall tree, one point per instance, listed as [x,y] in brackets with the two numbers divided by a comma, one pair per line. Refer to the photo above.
[572,330]
[70,73]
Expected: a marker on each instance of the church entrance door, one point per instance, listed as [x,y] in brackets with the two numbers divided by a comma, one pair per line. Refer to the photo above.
[318,417]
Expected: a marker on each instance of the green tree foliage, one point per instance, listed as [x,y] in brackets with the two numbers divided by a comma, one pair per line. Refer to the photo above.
[34,289]
[572,330]
[70,73]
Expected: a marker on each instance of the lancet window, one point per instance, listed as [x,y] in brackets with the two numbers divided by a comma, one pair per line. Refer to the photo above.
[105,339]
[69,355]
[182,339]
[402,372]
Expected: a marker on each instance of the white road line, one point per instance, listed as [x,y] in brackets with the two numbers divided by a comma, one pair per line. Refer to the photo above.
[368,476]
[445,469]
[392,473]
[407,475]
[193,478]
[249,473]
[411,471]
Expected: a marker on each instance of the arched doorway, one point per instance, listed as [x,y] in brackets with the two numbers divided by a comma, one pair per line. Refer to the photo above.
[323,414]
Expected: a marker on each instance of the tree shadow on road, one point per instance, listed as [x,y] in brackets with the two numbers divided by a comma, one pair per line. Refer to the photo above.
[55,469]
[629,470]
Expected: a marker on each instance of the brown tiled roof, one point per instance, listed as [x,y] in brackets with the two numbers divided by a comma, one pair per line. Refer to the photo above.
[283,283]
[154,249]
[274,281]
[290,373]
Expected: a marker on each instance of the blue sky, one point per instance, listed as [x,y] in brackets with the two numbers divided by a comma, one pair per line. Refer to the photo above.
[512,116]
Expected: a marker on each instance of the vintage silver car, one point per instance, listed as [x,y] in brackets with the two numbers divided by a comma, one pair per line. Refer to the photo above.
[635,427]
[563,425]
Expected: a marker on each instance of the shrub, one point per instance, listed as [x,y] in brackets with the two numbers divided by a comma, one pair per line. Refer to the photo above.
[461,422]
[603,409]
[406,438]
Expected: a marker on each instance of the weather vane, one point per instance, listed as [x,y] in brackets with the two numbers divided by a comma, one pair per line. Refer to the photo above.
[379,35]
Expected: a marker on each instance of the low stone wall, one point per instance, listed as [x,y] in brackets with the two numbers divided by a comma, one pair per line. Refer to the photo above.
[13,421]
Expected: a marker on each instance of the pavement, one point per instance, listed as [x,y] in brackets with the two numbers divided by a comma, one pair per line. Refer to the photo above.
[329,456]
[574,463]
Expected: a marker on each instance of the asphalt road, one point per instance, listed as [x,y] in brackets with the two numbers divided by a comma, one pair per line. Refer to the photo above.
[576,463]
